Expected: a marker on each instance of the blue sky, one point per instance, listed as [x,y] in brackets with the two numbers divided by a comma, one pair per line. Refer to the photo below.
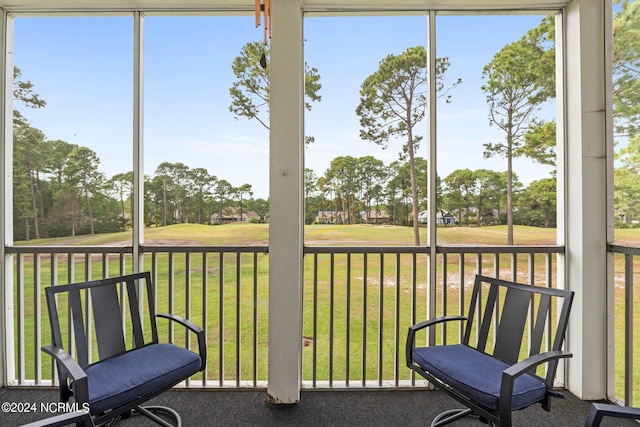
[82,67]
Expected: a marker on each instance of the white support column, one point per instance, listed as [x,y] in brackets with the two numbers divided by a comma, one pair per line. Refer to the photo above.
[137,216]
[587,152]
[7,369]
[286,219]
[432,226]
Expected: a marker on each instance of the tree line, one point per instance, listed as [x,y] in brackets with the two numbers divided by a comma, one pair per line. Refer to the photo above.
[59,189]
[359,188]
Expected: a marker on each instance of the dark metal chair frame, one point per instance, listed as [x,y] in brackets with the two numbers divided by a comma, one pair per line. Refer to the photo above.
[600,410]
[107,327]
[511,319]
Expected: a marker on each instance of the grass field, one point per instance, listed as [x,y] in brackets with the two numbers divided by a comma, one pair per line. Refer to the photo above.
[352,313]
[359,235]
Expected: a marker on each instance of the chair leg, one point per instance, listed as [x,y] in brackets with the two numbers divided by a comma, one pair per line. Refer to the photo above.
[450,416]
[149,412]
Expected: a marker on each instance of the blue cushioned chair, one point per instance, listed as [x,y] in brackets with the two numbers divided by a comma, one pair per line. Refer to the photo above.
[488,372]
[118,362]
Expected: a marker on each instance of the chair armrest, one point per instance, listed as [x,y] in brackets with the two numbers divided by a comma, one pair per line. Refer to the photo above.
[601,410]
[418,326]
[202,344]
[73,369]
[514,371]
[510,374]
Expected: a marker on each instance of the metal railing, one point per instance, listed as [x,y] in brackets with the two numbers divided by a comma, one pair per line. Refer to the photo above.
[358,303]
[624,312]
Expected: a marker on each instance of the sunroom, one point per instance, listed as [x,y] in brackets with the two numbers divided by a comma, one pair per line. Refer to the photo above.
[331,315]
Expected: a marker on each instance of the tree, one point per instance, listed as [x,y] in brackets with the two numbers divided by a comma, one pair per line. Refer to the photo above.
[626,67]
[519,78]
[122,186]
[490,186]
[199,186]
[538,203]
[222,192]
[540,143]
[23,91]
[627,181]
[393,100]
[29,144]
[240,192]
[310,184]
[259,206]
[175,177]
[398,190]
[461,187]
[373,174]
[250,92]
[343,172]
[82,173]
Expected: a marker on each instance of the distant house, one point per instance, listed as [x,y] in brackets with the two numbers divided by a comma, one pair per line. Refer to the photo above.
[442,218]
[330,217]
[230,215]
[377,216]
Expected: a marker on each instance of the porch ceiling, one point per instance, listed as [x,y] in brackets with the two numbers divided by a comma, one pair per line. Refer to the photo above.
[123,5]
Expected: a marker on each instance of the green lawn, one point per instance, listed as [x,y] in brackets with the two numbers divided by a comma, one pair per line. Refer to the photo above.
[343,303]
[357,235]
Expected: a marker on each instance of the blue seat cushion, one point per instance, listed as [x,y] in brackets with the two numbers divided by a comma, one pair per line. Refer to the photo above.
[477,375]
[121,379]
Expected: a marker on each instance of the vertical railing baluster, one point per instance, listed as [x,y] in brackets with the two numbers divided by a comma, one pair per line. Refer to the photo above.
[54,282]
[396,329]
[479,305]
[414,300]
[332,278]
[238,315]
[187,303]
[628,330]
[348,322]
[364,319]
[461,298]
[549,283]
[71,274]
[443,298]
[154,276]
[123,264]
[170,281]
[88,309]
[37,311]
[496,312]
[255,319]
[205,305]
[21,320]
[381,319]
[221,319]
[314,377]
[532,282]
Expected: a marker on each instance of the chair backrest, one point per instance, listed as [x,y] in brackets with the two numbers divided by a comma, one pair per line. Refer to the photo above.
[513,318]
[102,312]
